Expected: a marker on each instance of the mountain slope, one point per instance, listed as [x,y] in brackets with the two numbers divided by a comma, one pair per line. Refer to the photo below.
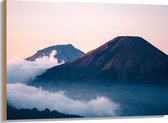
[124,58]
[64,53]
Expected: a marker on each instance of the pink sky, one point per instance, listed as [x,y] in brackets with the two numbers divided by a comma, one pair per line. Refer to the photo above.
[35,25]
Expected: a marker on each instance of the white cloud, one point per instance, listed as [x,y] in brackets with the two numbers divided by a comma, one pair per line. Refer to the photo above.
[23,96]
[20,70]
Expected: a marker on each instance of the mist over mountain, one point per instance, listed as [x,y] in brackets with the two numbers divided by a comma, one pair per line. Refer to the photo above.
[29,68]
[23,96]
[63,53]
[123,59]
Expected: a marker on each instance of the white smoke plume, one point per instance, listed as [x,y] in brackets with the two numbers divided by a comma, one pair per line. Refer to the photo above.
[23,96]
[20,70]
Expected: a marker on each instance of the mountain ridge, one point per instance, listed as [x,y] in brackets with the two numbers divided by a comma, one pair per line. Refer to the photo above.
[13,114]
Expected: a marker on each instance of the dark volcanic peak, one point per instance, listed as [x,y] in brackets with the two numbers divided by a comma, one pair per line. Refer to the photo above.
[64,53]
[129,41]
[125,58]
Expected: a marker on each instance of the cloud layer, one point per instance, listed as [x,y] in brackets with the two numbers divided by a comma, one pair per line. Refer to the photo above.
[23,96]
[20,70]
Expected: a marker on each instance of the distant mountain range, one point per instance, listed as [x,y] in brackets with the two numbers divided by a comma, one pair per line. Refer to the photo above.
[64,53]
[24,114]
[125,59]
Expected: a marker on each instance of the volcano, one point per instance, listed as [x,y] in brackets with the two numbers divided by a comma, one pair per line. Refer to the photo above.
[121,60]
[63,53]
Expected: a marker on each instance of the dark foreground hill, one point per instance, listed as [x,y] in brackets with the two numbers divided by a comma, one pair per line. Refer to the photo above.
[14,114]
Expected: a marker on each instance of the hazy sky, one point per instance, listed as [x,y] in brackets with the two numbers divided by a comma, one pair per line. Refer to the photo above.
[35,25]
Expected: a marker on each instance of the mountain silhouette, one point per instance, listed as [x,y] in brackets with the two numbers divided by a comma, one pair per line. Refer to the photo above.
[64,53]
[13,114]
[123,59]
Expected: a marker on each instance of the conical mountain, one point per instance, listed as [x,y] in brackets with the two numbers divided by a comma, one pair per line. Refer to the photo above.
[123,59]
